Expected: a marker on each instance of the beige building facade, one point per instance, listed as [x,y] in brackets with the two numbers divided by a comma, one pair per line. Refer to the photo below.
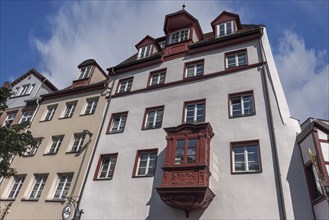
[67,124]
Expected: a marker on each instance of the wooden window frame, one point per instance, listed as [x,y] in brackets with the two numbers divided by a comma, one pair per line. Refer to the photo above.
[113,116]
[244,144]
[193,63]
[241,94]
[124,80]
[99,165]
[147,110]
[149,81]
[137,162]
[190,103]
[226,55]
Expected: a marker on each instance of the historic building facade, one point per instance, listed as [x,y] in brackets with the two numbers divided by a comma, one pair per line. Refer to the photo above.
[313,142]
[197,126]
[66,124]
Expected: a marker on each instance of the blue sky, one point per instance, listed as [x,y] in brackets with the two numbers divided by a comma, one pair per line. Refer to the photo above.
[54,37]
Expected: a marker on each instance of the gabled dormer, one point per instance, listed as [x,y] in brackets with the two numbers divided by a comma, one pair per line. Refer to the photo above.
[147,47]
[89,73]
[225,24]
[181,30]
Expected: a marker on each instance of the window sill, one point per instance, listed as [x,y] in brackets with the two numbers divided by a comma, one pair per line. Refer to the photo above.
[155,85]
[55,200]
[30,200]
[246,172]
[19,96]
[8,200]
[236,67]
[45,120]
[103,179]
[29,155]
[65,117]
[72,152]
[143,129]
[143,176]
[87,114]
[49,154]
[116,132]
[242,116]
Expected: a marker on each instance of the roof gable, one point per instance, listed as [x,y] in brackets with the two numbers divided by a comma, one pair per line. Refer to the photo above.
[226,16]
[179,20]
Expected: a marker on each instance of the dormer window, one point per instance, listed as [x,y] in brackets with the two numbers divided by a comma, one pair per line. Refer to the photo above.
[144,52]
[180,35]
[85,72]
[226,28]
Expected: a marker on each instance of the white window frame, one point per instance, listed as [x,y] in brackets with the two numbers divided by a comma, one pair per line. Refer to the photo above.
[242,105]
[158,117]
[182,35]
[38,186]
[195,112]
[69,109]
[16,186]
[15,93]
[27,116]
[246,158]
[194,68]
[56,142]
[118,126]
[225,28]
[78,140]
[9,119]
[24,90]
[50,112]
[148,163]
[157,78]
[125,85]
[144,52]
[91,106]
[32,149]
[109,170]
[237,61]
[85,72]
[65,180]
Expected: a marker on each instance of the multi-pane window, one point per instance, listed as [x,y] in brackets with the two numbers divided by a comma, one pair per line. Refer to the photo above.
[63,185]
[236,59]
[38,185]
[50,112]
[241,105]
[69,110]
[106,166]
[27,116]
[125,85]
[144,52]
[9,119]
[24,90]
[195,112]
[78,142]
[56,142]
[225,29]
[118,122]
[153,117]
[85,72]
[16,186]
[146,163]
[180,35]
[245,157]
[91,106]
[194,69]
[32,149]
[185,152]
[157,78]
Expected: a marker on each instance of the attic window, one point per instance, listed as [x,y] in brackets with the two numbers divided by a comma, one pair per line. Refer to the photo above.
[144,52]
[226,28]
[180,35]
[85,72]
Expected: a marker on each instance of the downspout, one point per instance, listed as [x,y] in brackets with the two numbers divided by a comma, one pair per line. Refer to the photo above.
[78,212]
[277,172]
[38,101]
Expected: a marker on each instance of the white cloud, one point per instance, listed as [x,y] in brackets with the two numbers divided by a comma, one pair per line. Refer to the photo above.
[304,74]
[107,31]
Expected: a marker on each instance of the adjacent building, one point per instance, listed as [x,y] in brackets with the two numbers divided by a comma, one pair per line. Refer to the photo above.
[313,144]
[198,126]
[66,124]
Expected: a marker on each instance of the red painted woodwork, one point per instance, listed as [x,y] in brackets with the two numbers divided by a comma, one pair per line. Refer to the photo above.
[185,186]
